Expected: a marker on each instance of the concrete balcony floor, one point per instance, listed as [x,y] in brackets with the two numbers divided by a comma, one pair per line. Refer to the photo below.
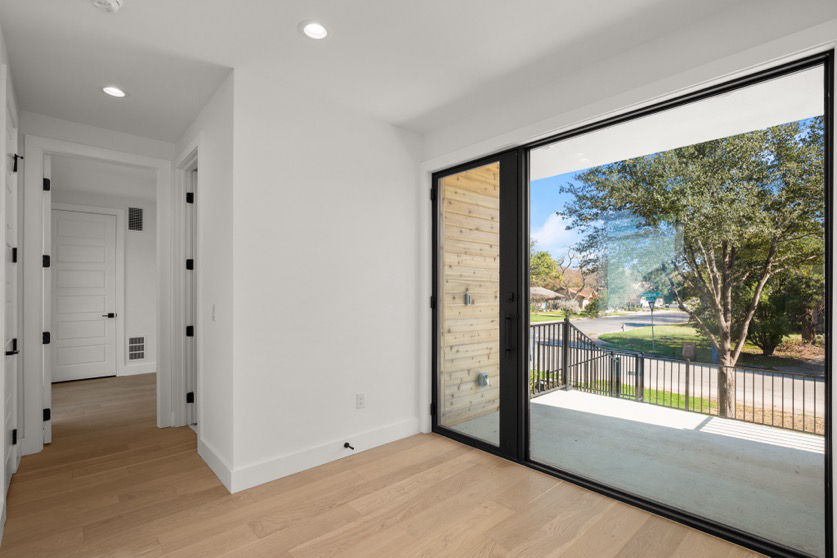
[760,479]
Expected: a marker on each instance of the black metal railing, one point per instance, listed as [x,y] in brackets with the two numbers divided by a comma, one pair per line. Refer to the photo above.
[791,400]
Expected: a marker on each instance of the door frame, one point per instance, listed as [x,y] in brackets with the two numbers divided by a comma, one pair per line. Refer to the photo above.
[827,60]
[510,304]
[120,275]
[183,165]
[34,353]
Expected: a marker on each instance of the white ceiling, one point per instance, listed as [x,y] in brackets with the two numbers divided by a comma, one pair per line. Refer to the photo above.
[416,64]
[787,99]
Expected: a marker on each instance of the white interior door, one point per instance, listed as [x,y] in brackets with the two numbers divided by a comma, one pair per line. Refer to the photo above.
[83,295]
[11,377]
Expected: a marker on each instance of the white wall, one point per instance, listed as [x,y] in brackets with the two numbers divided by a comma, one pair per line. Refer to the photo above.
[212,131]
[81,182]
[55,128]
[325,276]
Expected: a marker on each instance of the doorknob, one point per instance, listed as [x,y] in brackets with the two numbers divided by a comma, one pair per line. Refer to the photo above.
[109,315]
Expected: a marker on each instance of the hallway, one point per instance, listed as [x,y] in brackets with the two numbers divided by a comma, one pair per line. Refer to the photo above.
[107,476]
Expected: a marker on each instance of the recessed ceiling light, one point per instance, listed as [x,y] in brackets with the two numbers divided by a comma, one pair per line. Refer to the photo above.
[313,29]
[114,91]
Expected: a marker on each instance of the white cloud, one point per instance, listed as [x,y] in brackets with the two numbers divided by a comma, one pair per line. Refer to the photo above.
[554,237]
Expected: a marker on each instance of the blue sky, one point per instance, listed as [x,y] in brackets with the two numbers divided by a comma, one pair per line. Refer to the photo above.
[545,226]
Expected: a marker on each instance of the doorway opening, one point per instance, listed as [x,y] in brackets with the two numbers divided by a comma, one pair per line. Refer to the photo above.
[100,270]
[84,181]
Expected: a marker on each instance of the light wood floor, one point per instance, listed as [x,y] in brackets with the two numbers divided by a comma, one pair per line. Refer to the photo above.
[112,484]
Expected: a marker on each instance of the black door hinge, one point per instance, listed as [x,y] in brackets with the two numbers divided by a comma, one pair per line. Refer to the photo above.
[45,261]
[432,302]
[190,264]
[190,197]
[16,158]
[14,255]
[190,331]
[433,194]
[47,414]
[47,185]
[190,397]
[14,350]
[432,409]
[14,436]
[46,337]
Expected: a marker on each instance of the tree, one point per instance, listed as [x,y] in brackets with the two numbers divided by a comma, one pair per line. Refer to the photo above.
[771,322]
[805,299]
[593,308]
[742,209]
[542,269]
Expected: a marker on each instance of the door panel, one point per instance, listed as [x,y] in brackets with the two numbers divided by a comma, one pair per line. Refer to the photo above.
[84,279]
[475,316]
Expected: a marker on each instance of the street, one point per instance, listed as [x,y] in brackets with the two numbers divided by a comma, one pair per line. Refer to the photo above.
[609,324]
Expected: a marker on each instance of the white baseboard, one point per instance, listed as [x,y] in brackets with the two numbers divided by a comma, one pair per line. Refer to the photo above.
[143,368]
[216,464]
[282,466]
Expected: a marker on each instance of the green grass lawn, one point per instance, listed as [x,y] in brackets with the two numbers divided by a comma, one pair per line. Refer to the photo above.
[669,341]
[546,316]
[653,396]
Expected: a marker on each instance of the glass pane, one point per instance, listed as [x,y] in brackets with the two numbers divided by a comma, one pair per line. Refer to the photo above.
[678,308]
[469,310]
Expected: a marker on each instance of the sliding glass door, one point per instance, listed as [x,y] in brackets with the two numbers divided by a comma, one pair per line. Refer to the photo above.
[643,306]
[476,296]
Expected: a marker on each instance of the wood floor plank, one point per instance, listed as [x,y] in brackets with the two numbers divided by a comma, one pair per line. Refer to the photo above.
[113,484]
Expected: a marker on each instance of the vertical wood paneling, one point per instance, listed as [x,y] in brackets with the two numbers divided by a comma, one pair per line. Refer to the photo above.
[469,253]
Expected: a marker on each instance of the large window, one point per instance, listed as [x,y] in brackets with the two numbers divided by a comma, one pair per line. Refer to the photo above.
[678,308]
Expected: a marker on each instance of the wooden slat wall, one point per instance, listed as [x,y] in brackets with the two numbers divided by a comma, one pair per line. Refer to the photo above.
[469,257]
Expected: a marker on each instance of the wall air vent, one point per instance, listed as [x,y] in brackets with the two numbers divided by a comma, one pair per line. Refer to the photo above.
[134,218]
[136,348]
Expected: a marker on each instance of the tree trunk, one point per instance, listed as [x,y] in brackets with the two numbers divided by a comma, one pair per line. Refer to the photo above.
[809,320]
[726,375]
[726,391]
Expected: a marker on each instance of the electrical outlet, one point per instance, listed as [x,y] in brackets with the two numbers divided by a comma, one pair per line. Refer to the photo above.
[360,401]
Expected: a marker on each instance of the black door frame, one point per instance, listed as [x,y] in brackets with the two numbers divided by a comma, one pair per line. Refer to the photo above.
[516,425]
[510,330]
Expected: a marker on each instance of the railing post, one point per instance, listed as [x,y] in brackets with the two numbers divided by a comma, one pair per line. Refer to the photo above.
[616,379]
[565,352]
[639,367]
[688,371]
